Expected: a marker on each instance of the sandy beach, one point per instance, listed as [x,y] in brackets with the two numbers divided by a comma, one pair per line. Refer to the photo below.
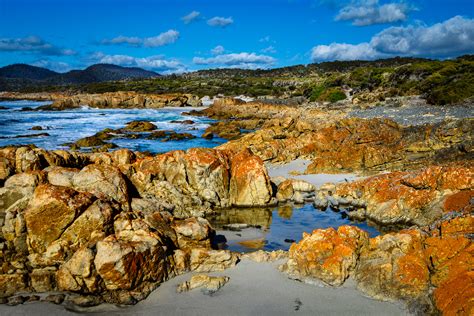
[298,167]
[253,289]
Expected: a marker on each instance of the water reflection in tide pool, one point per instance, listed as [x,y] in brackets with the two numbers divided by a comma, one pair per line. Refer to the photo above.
[276,228]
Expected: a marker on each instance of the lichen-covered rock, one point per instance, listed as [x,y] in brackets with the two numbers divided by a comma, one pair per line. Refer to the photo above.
[50,212]
[326,254]
[105,182]
[416,197]
[61,175]
[291,189]
[78,273]
[11,284]
[450,253]
[131,258]
[393,266]
[249,182]
[193,232]
[42,280]
[211,284]
[203,260]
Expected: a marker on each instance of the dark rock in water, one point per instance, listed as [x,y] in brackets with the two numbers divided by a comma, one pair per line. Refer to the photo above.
[178,136]
[25,136]
[183,122]
[55,298]
[15,300]
[208,135]
[91,141]
[139,126]
[157,134]
[26,108]
[290,241]
[3,108]
[36,128]
[105,148]
[105,134]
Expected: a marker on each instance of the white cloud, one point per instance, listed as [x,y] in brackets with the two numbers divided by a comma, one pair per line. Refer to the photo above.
[133,41]
[450,38]
[240,60]
[269,50]
[190,17]
[165,38]
[58,66]
[265,39]
[218,50]
[343,51]
[220,21]
[156,63]
[33,44]
[369,12]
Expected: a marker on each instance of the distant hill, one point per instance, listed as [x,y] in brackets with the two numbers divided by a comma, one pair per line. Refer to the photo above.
[24,71]
[20,76]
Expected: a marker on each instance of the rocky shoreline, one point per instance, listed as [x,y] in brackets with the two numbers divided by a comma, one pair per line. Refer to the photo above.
[111,226]
[120,99]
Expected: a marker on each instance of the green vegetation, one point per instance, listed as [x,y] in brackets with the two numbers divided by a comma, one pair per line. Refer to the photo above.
[439,82]
[327,94]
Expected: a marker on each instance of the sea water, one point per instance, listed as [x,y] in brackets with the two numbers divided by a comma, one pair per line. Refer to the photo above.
[70,125]
[278,227]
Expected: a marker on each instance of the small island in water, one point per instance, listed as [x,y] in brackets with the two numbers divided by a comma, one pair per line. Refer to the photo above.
[142,175]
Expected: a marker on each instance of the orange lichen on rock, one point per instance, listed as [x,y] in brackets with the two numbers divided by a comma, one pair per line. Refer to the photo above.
[459,202]
[392,266]
[326,254]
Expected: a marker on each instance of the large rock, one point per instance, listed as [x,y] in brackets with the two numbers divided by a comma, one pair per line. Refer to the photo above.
[326,254]
[105,182]
[78,274]
[416,197]
[249,182]
[392,267]
[7,162]
[450,253]
[61,175]
[11,284]
[193,232]
[127,260]
[50,212]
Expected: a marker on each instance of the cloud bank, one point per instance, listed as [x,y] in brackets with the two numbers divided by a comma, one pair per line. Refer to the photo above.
[156,63]
[442,40]
[369,12]
[237,60]
[33,44]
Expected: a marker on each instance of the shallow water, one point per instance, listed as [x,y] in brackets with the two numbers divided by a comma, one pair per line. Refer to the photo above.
[269,227]
[69,126]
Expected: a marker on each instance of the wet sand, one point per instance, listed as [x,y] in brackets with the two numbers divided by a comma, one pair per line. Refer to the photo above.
[299,166]
[253,289]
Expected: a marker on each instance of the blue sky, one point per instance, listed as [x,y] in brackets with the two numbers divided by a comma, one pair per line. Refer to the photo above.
[184,35]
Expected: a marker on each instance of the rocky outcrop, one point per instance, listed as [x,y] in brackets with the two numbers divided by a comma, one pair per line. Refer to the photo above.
[123,99]
[417,197]
[203,178]
[337,144]
[430,268]
[249,181]
[326,254]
